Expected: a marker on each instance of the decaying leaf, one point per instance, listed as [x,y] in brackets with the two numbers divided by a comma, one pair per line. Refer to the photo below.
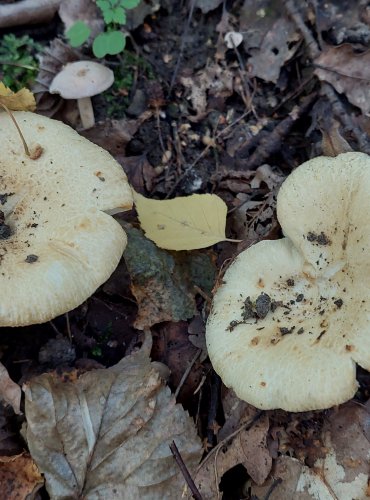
[207,5]
[19,477]
[248,448]
[162,283]
[87,11]
[184,223]
[107,435]
[23,100]
[341,474]
[214,80]
[278,46]
[348,72]
[10,392]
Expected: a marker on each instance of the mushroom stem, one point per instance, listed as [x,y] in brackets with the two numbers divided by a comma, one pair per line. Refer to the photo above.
[86,112]
[26,150]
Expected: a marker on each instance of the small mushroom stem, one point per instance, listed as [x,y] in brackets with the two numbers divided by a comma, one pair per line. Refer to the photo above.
[86,112]
[26,150]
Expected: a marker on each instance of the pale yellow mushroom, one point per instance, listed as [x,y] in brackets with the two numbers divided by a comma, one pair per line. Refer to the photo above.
[59,242]
[292,318]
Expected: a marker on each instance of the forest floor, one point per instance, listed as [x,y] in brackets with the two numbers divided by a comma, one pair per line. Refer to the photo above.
[193,110]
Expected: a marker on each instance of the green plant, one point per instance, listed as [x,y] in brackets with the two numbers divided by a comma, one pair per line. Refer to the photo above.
[117,97]
[18,63]
[112,41]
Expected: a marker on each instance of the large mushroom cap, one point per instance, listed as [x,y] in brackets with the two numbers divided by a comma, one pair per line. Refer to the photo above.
[63,243]
[81,79]
[292,318]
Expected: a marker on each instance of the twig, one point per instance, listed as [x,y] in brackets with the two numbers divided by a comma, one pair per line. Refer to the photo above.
[311,43]
[204,152]
[27,12]
[272,487]
[68,324]
[187,371]
[181,51]
[270,143]
[184,471]
[216,449]
[314,51]
[213,407]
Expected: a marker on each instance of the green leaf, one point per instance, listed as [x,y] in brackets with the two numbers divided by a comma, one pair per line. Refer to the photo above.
[119,15]
[111,43]
[103,5]
[78,33]
[130,4]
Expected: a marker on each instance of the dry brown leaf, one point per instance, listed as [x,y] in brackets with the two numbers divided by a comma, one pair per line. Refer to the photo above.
[278,46]
[10,392]
[348,72]
[333,143]
[248,448]
[214,80]
[19,477]
[341,474]
[23,100]
[71,11]
[107,435]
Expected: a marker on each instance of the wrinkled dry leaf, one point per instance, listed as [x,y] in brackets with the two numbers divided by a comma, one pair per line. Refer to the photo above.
[107,435]
[214,80]
[278,46]
[341,474]
[52,59]
[163,284]
[333,143]
[184,223]
[23,100]
[19,477]
[248,448]
[207,5]
[10,392]
[71,11]
[348,72]
[114,135]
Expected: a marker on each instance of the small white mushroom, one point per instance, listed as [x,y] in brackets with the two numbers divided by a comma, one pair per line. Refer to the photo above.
[81,80]
[58,241]
[291,320]
[233,39]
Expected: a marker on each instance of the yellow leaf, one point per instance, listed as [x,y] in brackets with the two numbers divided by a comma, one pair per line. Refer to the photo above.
[23,100]
[184,223]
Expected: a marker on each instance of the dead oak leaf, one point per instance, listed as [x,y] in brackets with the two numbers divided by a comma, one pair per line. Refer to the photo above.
[248,447]
[23,100]
[10,392]
[348,72]
[164,283]
[107,435]
[19,477]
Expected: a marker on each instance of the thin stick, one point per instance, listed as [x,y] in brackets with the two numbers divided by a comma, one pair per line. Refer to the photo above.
[26,150]
[182,46]
[187,371]
[184,471]
[200,156]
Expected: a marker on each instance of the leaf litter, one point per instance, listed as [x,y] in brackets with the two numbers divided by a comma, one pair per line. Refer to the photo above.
[102,436]
[232,117]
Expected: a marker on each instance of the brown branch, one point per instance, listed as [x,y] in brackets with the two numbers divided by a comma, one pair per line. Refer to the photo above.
[184,471]
[28,12]
[326,89]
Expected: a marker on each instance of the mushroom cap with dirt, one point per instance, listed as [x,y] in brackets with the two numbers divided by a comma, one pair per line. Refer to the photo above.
[58,241]
[292,317]
[81,80]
